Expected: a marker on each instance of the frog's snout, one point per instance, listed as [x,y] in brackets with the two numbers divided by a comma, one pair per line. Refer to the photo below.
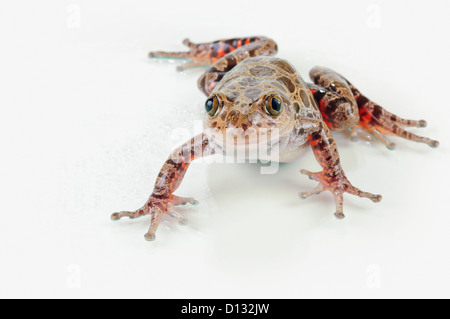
[236,120]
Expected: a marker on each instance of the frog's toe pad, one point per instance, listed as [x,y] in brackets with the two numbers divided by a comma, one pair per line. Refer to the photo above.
[179,201]
[132,215]
[339,216]
[311,175]
[315,191]
[149,237]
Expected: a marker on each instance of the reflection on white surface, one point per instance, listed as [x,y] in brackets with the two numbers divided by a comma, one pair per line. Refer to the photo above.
[86,121]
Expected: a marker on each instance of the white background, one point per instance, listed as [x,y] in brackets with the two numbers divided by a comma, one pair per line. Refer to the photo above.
[87,121]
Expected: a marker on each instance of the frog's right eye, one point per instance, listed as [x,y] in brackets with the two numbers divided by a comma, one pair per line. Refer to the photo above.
[212,106]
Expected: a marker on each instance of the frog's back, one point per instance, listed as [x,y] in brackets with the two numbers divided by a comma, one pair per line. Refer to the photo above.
[255,76]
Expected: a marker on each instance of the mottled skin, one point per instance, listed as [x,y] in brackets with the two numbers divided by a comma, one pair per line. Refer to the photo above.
[242,77]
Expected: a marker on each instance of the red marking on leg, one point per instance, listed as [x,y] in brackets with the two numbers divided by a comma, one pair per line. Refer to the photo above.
[323,105]
[364,116]
[220,52]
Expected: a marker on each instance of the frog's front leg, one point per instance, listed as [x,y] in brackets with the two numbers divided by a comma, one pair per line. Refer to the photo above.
[162,200]
[332,177]
[377,121]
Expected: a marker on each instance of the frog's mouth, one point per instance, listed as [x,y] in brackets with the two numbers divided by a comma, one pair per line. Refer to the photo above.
[253,144]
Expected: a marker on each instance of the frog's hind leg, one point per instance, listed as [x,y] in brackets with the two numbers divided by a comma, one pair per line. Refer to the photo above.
[373,118]
[398,120]
[246,49]
[371,131]
[336,97]
[203,54]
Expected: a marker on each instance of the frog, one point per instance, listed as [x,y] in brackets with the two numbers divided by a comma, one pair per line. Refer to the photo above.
[250,92]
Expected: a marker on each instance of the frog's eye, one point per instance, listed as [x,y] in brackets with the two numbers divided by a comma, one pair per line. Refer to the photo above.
[212,106]
[273,105]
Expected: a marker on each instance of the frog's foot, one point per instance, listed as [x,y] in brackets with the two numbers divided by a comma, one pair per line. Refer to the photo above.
[376,121]
[354,134]
[371,131]
[316,191]
[337,185]
[177,200]
[156,206]
[196,56]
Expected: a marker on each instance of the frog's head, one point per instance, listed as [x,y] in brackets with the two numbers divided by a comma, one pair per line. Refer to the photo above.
[249,112]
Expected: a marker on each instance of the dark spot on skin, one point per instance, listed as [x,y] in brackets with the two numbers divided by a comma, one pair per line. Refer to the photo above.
[224,115]
[296,107]
[304,98]
[231,96]
[377,111]
[278,86]
[233,117]
[252,94]
[258,124]
[261,71]
[231,63]
[315,136]
[244,127]
[247,82]
[226,49]
[282,64]
[331,106]
[220,76]
[288,83]
[215,50]
[214,124]
[361,100]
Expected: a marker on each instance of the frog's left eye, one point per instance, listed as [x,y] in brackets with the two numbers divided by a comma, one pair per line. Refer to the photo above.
[212,106]
[273,105]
